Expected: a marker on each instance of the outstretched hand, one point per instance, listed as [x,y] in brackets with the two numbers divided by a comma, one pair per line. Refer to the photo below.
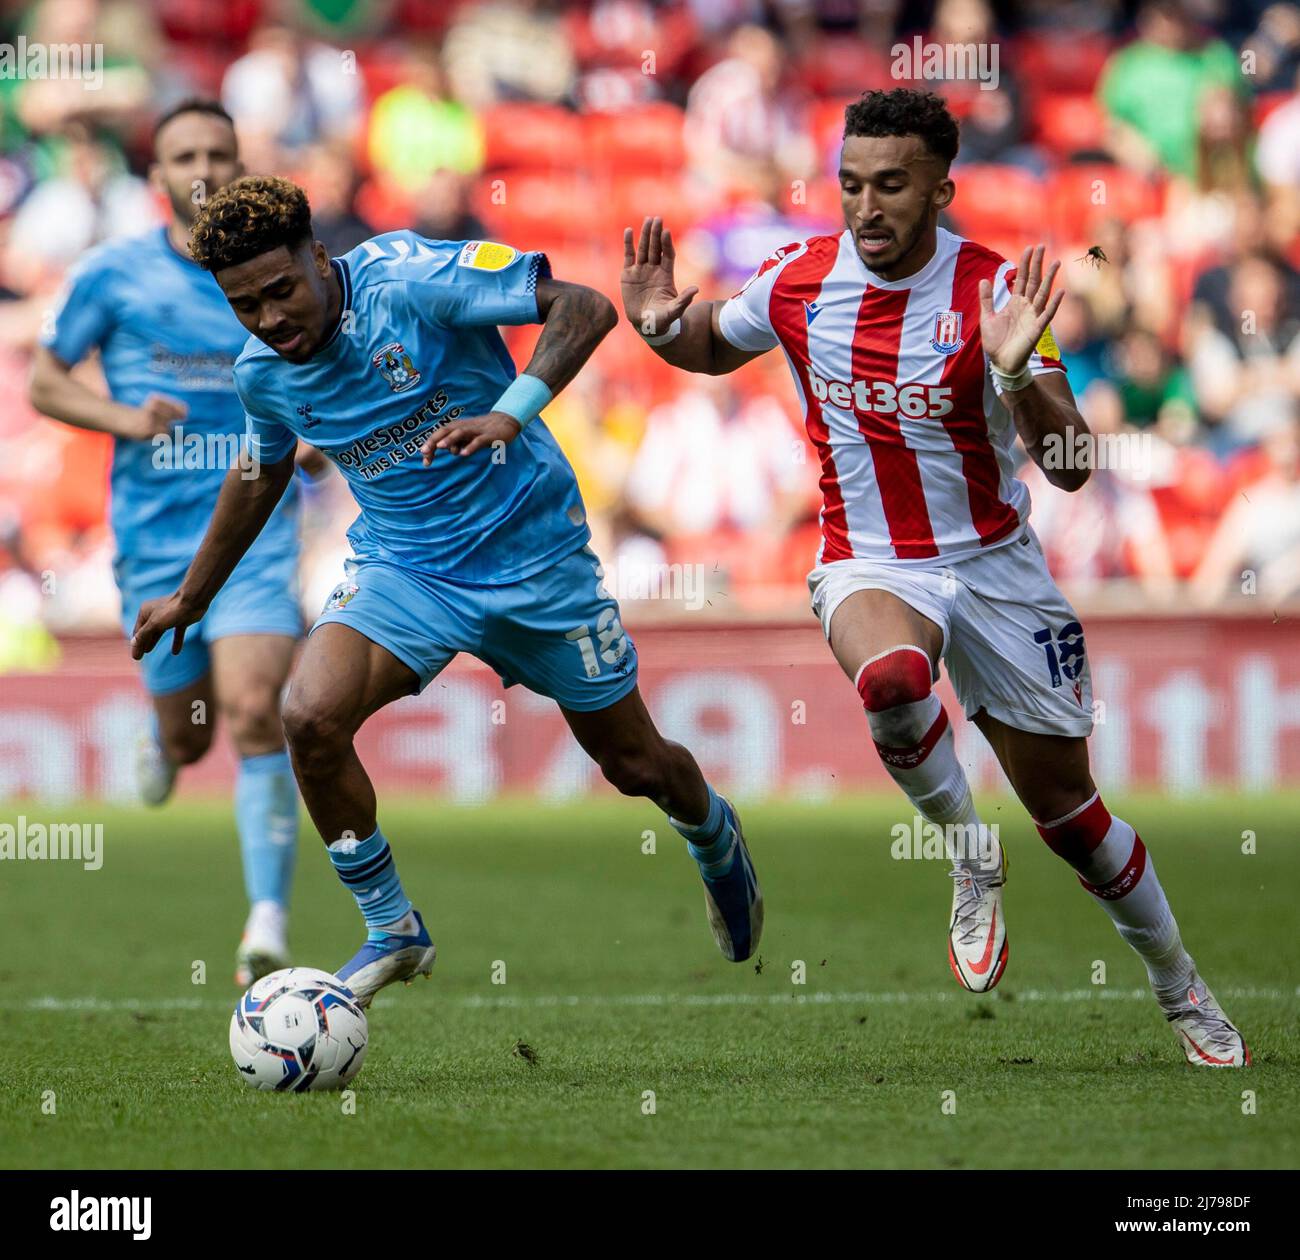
[650,298]
[1009,335]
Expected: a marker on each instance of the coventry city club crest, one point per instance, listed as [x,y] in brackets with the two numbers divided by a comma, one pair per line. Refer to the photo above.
[340,597]
[395,366]
[947,332]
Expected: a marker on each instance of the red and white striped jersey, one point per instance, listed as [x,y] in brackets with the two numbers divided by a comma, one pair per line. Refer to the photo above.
[893,379]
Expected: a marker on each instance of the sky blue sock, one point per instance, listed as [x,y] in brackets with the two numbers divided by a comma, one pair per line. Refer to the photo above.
[369,873]
[266,813]
[709,843]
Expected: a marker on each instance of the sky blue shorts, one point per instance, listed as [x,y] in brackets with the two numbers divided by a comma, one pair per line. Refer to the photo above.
[557,632]
[260,597]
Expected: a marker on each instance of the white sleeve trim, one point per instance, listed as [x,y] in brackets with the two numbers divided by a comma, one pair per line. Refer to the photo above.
[737,328]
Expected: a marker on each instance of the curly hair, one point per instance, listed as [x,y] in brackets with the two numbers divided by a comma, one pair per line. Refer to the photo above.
[903,112]
[249,216]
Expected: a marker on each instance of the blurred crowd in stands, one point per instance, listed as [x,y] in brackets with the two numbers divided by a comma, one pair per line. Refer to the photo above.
[1167,134]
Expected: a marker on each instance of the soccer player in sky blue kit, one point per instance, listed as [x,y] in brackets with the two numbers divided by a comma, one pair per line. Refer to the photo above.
[167,342]
[472,535]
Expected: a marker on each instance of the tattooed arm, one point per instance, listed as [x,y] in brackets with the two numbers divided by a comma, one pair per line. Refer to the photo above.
[575,320]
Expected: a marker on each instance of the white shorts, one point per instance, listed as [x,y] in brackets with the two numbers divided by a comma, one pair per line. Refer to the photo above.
[1012,644]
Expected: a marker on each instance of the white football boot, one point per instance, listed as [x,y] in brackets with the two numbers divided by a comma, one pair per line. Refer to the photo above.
[263,947]
[1208,1037]
[977,931]
[387,957]
[155,776]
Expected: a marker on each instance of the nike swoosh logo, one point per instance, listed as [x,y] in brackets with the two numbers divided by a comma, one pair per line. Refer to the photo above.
[1209,1058]
[984,963]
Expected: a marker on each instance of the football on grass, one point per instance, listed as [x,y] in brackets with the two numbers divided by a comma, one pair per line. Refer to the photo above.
[298,1029]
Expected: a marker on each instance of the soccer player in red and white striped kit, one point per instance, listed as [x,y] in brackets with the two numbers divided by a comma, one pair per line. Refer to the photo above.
[895,332]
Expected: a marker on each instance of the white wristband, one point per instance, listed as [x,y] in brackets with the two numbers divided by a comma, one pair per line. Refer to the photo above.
[1010,384]
[673,329]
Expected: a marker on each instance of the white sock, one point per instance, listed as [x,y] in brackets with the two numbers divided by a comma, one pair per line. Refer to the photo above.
[1119,873]
[923,762]
[405,926]
[266,918]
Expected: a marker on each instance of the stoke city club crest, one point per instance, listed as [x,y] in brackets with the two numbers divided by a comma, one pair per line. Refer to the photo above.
[947,332]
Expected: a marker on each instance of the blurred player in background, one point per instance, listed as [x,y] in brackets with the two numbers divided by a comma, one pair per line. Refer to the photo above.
[167,342]
[384,359]
[893,329]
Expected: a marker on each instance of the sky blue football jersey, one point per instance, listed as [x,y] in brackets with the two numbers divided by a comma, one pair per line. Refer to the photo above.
[417,345]
[162,326]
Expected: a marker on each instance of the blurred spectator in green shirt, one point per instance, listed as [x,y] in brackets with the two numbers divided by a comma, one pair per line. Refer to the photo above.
[1152,88]
[1148,377]
[417,129]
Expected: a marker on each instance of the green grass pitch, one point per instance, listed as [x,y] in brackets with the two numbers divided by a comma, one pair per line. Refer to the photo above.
[612,978]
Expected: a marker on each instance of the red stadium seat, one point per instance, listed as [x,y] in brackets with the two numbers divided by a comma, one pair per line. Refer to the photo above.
[1012,244]
[1068,123]
[995,200]
[429,17]
[631,199]
[826,122]
[549,238]
[521,340]
[624,355]
[1081,196]
[1068,63]
[220,27]
[384,206]
[1191,507]
[645,139]
[532,210]
[821,205]
[1244,468]
[598,269]
[382,68]
[532,137]
[843,65]
[1263,106]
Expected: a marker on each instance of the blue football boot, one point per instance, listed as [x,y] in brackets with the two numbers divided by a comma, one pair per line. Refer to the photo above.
[734,900]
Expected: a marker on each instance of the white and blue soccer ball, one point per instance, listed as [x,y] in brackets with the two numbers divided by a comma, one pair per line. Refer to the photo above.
[298,1029]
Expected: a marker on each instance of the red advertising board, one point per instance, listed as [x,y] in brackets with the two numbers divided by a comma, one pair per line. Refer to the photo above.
[1181,705]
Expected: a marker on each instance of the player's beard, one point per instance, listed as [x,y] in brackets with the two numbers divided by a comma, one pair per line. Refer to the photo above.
[183,204]
[183,207]
[905,243]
